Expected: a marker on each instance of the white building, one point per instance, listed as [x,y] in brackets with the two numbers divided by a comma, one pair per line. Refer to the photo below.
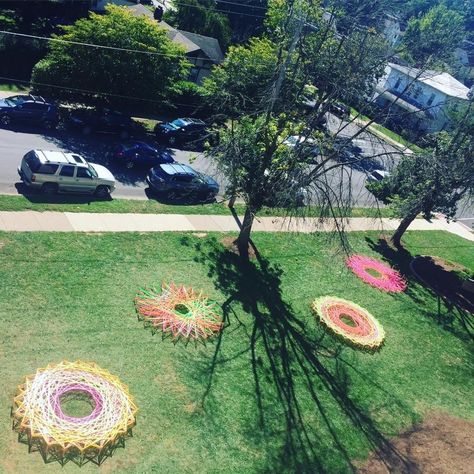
[430,95]
[391,29]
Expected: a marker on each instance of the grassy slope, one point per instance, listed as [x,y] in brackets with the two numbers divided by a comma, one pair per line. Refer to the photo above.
[83,204]
[69,296]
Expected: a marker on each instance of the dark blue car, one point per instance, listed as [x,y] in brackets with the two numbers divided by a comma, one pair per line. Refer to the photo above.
[138,153]
[28,109]
[178,180]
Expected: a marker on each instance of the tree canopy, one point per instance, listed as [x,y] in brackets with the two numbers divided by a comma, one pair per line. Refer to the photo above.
[435,35]
[149,70]
[431,181]
[201,17]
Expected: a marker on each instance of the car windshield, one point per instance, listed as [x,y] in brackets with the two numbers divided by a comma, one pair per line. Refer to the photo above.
[15,100]
[178,123]
[93,171]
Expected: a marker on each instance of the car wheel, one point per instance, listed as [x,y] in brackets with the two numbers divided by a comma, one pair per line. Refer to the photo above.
[86,130]
[102,191]
[5,120]
[49,188]
[49,125]
[124,134]
[129,165]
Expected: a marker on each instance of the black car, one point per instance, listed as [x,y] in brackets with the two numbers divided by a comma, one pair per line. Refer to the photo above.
[181,131]
[28,109]
[138,153]
[177,180]
[339,110]
[103,120]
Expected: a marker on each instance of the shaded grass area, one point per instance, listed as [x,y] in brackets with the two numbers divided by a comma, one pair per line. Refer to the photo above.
[275,392]
[41,203]
[9,87]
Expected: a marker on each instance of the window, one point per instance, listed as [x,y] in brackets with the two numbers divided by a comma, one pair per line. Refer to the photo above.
[32,106]
[67,171]
[184,178]
[397,84]
[431,99]
[193,74]
[84,173]
[48,168]
[32,162]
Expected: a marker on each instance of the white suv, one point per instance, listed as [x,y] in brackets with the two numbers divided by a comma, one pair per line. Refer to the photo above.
[55,171]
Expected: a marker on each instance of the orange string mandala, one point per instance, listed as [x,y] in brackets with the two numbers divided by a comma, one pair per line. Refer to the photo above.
[349,321]
[179,311]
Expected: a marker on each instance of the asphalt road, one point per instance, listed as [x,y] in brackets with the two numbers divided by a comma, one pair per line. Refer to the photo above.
[14,143]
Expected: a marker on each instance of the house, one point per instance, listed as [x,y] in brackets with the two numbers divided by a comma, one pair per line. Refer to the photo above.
[203,52]
[430,96]
[465,56]
[390,29]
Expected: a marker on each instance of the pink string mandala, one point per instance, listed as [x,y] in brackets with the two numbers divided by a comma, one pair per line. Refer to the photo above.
[179,311]
[376,273]
[349,321]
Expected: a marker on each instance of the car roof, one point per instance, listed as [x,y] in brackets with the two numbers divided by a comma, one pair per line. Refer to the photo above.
[192,120]
[177,168]
[50,156]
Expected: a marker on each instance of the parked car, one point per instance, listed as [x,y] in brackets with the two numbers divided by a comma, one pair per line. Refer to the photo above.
[28,109]
[103,120]
[339,110]
[377,175]
[138,153]
[308,144]
[181,131]
[175,179]
[56,171]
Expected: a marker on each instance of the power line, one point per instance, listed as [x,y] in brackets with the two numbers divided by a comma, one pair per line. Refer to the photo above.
[98,46]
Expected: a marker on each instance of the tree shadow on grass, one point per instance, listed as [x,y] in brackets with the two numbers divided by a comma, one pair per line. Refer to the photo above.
[307,378]
[449,315]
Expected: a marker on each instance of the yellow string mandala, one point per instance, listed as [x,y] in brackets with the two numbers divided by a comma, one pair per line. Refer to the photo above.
[40,419]
[180,311]
[349,321]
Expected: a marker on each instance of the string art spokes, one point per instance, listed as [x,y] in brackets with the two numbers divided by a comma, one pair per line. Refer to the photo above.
[349,321]
[376,273]
[179,311]
[40,418]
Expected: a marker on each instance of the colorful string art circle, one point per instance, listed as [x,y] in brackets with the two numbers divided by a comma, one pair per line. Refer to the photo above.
[376,273]
[349,321]
[179,311]
[40,418]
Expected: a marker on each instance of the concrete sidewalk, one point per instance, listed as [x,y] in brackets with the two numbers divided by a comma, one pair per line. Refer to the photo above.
[32,221]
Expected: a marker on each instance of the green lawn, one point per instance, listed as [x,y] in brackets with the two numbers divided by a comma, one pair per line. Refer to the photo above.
[9,87]
[41,203]
[385,131]
[275,393]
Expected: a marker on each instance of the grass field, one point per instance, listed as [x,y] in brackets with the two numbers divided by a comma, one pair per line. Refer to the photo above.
[9,87]
[275,393]
[41,203]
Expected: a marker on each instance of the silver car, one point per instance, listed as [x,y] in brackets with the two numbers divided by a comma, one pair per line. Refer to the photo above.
[56,171]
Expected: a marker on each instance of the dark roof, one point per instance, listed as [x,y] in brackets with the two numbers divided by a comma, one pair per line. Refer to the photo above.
[209,46]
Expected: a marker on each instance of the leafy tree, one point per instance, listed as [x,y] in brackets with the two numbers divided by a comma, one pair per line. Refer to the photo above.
[243,82]
[432,181]
[434,36]
[246,17]
[149,75]
[201,17]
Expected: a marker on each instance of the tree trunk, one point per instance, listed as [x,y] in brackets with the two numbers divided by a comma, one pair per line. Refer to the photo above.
[243,240]
[404,224]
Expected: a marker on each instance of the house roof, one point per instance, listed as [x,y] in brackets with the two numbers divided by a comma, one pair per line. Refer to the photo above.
[209,46]
[191,42]
[441,81]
